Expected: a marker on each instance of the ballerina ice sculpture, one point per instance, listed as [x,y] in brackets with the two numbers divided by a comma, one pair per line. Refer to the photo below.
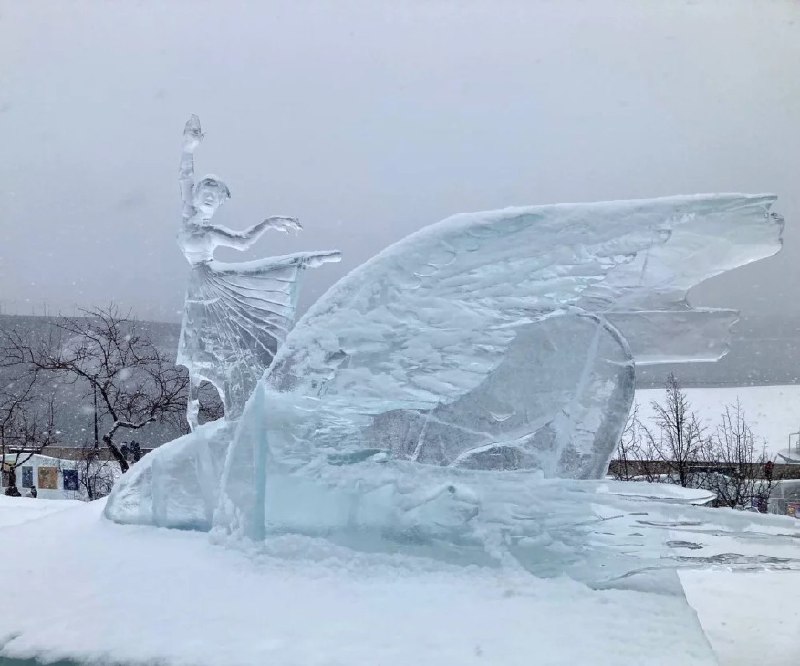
[502,340]
[236,315]
[463,387]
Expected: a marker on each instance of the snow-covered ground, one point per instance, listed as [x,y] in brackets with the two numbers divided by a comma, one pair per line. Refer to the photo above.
[14,511]
[751,619]
[772,411]
[135,594]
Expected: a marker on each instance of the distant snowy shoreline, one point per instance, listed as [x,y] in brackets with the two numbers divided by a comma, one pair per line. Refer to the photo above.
[771,411]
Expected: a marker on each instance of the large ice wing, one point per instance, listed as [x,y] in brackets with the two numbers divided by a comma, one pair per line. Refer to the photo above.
[725,232]
[646,298]
[484,342]
[427,319]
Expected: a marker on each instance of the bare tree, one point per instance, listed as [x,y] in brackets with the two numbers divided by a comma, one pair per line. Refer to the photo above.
[676,450]
[741,476]
[637,458]
[129,380]
[26,427]
[95,474]
[680,442]
[628,450]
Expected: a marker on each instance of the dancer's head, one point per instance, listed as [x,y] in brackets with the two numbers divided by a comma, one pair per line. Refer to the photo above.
[209,194]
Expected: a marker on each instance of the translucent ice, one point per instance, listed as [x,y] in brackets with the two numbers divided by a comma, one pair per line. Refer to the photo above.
[604,533]
[495,341]
[459,394]
[236,315]
[499,341]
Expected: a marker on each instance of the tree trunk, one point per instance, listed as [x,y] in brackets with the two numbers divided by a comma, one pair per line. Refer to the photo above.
[123,464]
[12,490]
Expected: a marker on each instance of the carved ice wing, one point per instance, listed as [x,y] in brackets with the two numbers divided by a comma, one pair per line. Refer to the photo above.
[425,321]
[483,342]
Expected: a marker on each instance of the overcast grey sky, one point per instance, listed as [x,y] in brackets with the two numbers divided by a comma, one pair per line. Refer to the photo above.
[369,120]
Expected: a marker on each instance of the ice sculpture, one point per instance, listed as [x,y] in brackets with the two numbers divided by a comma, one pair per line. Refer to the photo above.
[492,341]
[236,315]
[445,390]
[460,394]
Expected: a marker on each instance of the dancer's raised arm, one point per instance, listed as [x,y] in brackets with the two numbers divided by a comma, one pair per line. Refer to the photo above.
[192,136]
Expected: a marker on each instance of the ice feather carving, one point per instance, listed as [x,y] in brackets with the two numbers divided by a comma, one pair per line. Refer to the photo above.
[426,320]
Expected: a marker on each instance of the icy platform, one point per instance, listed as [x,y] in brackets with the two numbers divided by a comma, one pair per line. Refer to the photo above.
[118,594]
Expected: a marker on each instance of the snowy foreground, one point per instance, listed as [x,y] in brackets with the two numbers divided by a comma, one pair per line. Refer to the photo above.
[129,594]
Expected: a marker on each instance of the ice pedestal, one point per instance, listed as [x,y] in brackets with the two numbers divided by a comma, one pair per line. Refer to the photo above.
[603,533]
[178,484]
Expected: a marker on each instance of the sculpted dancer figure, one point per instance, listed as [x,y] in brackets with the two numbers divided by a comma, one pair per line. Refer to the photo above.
[236,314]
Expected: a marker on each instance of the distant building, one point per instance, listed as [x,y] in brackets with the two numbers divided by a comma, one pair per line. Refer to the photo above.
[54,478]
[59,475]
